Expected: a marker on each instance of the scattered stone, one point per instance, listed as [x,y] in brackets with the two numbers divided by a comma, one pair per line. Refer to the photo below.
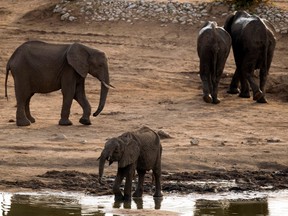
[83,141]
[65,16]
[58,137]
[194,141]
[273,140]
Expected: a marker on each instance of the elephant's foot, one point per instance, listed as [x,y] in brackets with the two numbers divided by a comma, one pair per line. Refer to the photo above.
[207,98]
[258,95]
[23,122]
[215,100]
[85,121]
[233,90]
[65,122]
[31,119]
[244,95]
[119,197]
[262,100]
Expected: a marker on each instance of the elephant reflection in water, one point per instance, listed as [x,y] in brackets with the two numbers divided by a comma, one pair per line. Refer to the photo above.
[140,150]
[139,203]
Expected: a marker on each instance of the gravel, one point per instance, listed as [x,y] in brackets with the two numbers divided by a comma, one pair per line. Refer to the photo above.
[165,12]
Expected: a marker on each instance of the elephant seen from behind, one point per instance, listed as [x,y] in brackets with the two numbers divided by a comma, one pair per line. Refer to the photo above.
[253,44]
[213,47]
[39,67]
[140,150]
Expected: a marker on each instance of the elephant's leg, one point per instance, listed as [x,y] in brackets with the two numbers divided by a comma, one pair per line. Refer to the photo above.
[157,177]
[233,88]
[263,80]
[27,110]
[206,86]
[116,187]
[139,189]
[68,92]
[241,76]
[257,93]
[215,87]
[80,97]
[128,183]
[245,87]
[21,97]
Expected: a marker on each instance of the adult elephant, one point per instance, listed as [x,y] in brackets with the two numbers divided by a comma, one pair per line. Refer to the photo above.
[253,44]
[213,47]
[140,150]
[39,67]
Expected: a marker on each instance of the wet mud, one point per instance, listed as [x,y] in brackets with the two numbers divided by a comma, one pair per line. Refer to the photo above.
[184,182]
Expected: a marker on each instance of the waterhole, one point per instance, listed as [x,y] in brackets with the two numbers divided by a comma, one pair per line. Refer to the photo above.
[62,204]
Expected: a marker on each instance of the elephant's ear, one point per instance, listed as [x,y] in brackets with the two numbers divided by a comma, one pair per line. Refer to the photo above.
[130,154]
[77,57]
[228,23]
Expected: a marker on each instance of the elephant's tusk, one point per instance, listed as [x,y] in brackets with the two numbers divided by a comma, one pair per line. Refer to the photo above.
[108,85]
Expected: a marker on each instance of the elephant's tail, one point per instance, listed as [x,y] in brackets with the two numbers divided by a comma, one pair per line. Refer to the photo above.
[6,79]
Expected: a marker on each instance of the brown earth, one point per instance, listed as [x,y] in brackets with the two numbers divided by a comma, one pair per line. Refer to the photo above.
[155,72]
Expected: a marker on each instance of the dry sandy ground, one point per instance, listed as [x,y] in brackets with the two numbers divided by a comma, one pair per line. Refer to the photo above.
[155,72]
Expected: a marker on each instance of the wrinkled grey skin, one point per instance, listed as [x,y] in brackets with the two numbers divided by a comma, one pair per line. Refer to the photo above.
[253,44]
[39,67]
[213,46]
[140,150]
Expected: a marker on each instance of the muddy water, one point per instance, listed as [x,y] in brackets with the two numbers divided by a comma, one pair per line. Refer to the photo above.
[56,204]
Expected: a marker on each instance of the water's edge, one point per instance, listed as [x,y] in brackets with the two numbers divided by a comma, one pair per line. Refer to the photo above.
[65,203]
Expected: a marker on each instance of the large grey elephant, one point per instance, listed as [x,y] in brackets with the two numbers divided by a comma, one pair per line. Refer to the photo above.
[253,44]
[39,67]
[140,150]
[213,46]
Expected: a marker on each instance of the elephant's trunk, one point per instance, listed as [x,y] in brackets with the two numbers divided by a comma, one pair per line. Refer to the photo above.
[103,96]
[101,167]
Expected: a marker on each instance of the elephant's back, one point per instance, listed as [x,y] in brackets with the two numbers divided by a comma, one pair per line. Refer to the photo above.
[147,136]
[150,146]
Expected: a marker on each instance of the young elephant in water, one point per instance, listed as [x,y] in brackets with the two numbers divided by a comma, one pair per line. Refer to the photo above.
[140,150]
[213,46]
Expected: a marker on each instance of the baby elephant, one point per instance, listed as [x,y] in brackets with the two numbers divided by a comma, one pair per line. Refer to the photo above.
[140,150]
[213,46]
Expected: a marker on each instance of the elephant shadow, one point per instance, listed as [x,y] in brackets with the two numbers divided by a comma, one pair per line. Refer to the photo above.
[127,204]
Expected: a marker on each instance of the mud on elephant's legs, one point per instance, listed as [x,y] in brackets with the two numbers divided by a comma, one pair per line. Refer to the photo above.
[118,196]
[139,189]
[129,173]
[158,188]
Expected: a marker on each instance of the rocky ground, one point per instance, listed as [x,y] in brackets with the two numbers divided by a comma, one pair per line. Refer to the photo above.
[184,13]
[154,66]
